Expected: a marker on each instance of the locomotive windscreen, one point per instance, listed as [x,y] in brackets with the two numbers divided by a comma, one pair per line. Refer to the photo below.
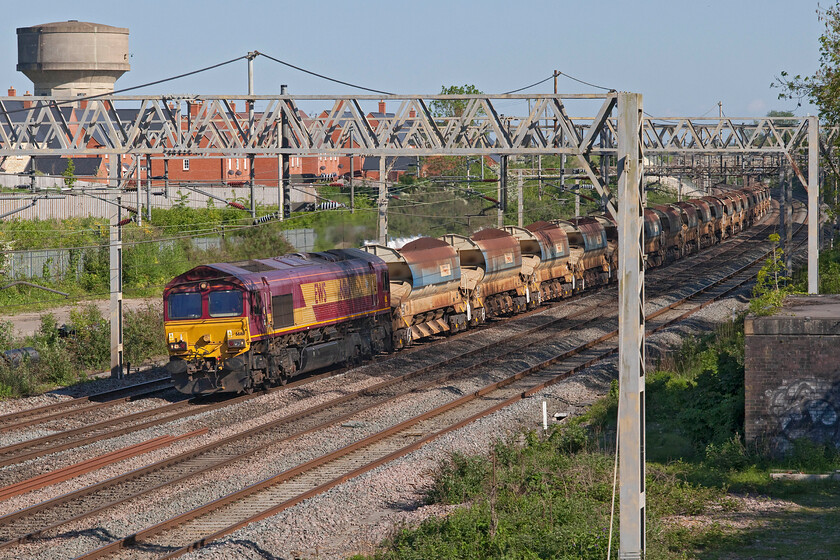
[184,306]
[227,303]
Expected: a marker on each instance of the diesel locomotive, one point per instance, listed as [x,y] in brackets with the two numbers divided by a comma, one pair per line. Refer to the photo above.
[240,326]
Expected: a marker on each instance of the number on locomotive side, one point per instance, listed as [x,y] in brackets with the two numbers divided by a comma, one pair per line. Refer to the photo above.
[320,289]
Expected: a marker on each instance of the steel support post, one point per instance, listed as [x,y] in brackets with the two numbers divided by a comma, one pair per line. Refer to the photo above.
[782,207]
[148,188]
[251,178]
[137,190]
[813,205]
[502,191]
[166,178]
[382,203]
[285,142]
[631,329]
[115,269]
[352,172]
[519,199]
[789,223]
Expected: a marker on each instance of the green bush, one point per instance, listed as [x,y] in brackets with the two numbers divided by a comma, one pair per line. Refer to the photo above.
[91,343]
[144,334]
[459,480]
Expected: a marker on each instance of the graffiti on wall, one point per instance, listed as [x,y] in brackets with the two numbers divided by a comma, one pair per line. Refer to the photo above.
[806,408]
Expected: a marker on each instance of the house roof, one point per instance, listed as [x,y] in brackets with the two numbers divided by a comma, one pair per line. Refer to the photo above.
[55,165]
[394,163]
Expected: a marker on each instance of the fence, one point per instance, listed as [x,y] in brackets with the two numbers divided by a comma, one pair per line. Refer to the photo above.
[77,205]
[61,263]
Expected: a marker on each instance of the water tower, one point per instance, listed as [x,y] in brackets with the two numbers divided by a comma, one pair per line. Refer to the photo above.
[70,58]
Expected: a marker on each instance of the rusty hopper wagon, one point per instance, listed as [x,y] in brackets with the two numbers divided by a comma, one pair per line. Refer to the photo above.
[588,257]
[426,296]
[545,260]
[491,261]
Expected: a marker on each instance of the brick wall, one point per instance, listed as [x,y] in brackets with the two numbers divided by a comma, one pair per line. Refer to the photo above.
[792,373]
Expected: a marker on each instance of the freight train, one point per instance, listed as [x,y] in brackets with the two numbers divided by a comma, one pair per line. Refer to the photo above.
[241,326]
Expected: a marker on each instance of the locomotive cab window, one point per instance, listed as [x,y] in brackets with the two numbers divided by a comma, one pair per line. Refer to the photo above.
[227,303]
[184,306]
[282,311]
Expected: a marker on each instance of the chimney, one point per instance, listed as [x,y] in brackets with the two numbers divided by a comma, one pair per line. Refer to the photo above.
[194,109]
[27,104]
[412,114]
[382,107]
[233,108]
[12,91]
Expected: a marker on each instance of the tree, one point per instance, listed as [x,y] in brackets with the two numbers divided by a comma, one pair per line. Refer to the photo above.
[453,107]
[823,88]
[69,174]
[785,122]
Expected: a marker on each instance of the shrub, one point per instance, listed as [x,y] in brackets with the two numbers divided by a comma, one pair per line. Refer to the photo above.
[91,343]
[727,456]
[459,480]
[144,335]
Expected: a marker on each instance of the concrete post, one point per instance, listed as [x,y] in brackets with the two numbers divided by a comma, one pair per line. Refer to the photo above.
[813,205]
[631,329]
[382,203]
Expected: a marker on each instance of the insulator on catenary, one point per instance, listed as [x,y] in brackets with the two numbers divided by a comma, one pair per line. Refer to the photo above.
[124,222]
[236,205]
[330,205]
[266,218]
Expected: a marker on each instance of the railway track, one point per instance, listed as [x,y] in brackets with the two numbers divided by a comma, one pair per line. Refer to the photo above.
[81,405]
[326,422]
[38,447]
[195,528]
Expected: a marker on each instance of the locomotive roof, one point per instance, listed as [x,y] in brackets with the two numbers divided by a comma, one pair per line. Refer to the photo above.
[251,271]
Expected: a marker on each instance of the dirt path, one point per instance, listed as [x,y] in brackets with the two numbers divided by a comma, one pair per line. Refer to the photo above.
[28,323]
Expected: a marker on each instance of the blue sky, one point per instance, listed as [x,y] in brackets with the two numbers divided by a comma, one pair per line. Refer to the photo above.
[683,56]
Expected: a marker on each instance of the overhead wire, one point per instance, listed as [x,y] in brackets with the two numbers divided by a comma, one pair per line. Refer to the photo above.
[322,76]
[75,100]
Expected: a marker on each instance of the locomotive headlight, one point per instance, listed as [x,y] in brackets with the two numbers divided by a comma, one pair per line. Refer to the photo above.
[180,346]
[236,343]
